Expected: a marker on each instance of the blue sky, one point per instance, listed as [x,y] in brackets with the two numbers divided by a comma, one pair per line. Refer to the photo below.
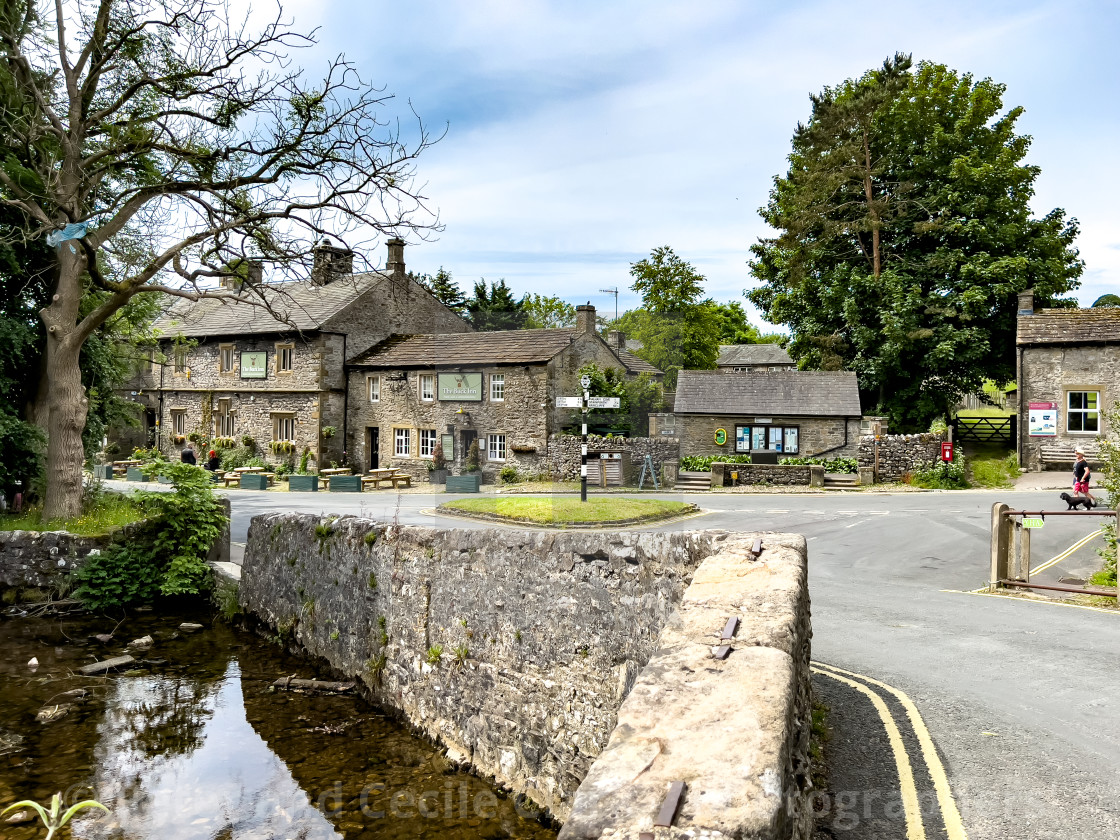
[582,135]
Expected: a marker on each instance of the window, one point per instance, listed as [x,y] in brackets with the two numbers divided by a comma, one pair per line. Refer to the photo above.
[427,443]
[497,387]
[180,359]
[496,447]
[427,387]
[402,443]
[178,421]
[153,357]
[773,438]
[284,356]
[284,427]
[374,387]
[225,358]
[1083,414]
[223,420]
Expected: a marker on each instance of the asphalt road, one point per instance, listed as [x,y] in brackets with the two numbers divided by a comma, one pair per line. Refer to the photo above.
[1020,699]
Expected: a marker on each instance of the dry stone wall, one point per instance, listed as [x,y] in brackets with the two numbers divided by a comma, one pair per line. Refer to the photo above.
[33,559]
[783,475]
[899,454]
[564,452]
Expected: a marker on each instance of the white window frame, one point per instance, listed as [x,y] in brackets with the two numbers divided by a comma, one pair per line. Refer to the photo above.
[373,388]
[282,423]
[497,387]
[226,356]
[224,419]
[1084,413]
[427,387]
[178,421]
[496,446]
[402,443]
[285,352]
[429,440]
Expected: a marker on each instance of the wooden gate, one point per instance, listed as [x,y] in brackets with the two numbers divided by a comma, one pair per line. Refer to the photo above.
[985,429]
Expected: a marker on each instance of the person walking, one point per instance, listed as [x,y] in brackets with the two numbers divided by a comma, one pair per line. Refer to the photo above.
[187,455]
[1081,476]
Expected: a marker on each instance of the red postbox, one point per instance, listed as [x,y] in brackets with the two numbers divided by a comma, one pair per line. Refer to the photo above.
[947,450]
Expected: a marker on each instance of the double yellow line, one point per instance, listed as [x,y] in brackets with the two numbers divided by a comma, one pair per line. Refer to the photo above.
[1054,560]
[915,827]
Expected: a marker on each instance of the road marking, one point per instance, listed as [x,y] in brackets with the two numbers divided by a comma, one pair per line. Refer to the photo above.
[1009,597]
[954,827]
[915,830]
[1054,560]
[857,522]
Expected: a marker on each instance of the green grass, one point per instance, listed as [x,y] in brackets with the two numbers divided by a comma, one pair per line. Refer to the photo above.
[560,510]
[991,466]
[108,511]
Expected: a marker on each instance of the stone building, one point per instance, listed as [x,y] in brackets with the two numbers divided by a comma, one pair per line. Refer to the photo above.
[412,393]
[780,412]
[275,372]
[1067,368]
[744,357]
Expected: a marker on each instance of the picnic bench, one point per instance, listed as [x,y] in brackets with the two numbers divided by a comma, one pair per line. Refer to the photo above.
[234,476]
[1061,453]
[393,476]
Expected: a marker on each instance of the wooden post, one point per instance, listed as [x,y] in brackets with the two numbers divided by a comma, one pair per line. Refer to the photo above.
[1000,530]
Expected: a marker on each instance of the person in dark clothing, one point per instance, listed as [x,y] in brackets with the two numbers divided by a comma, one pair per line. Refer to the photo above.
[1081,476]
[213,463]
[187,455]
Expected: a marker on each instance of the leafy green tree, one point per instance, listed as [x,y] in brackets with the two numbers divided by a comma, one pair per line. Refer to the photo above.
[172,124]
[494,307]
[547,312]
[444,289]
[638,396]
[1107,300]
[679,328]
[734,328]
[903,235]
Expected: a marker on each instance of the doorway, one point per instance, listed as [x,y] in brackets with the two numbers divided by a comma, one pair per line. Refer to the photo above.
[373,440]
[467,437]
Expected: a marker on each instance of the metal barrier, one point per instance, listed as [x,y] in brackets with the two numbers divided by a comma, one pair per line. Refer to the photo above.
[1011,548]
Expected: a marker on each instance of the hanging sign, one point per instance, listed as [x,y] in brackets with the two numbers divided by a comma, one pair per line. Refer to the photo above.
[721,437]
[1042,419]
[254,364]
[1033,522]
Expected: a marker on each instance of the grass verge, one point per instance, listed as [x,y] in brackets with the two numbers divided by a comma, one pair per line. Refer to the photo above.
[991,466]
[104,513]
[568,510]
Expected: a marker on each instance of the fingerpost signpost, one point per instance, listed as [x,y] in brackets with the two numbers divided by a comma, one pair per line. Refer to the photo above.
[583,403]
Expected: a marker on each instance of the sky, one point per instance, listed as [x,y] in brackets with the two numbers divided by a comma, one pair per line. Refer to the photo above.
[579,136]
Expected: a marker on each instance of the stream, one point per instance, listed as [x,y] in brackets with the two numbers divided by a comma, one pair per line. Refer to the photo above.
[193,743]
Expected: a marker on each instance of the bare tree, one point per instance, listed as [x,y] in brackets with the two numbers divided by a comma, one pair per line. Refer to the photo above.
[169,123]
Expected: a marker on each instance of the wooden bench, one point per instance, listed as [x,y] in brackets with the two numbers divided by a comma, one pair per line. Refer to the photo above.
[1060,453]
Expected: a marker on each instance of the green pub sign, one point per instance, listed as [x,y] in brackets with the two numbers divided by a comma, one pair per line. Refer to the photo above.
[460,387]
[254,364]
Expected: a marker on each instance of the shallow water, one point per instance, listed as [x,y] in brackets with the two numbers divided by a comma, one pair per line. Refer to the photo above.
[193,744]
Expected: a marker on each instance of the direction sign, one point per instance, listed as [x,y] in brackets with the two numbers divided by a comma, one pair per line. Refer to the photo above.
[603,402]
[569,402]
[1033,522]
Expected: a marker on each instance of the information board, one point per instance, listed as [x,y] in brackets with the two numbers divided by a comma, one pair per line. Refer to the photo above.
[448,443]
[1042,419]
[460,387]
[254,364]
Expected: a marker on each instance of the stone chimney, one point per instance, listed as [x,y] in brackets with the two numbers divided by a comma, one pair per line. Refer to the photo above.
[1026,302]
[616,339]
[585,318]
[395,263]
[255,275]
[331,263]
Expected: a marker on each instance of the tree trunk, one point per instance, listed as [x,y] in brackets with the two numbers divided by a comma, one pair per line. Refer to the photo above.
[66,400]
[871,209]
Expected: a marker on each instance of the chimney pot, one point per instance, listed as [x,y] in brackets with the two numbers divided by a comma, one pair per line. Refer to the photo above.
[617,339]
[585,318]
[395,264]
[1026,302]
[255,275]
[330,263]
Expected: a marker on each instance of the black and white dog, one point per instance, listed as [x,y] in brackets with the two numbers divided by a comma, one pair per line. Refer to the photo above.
[1075,501]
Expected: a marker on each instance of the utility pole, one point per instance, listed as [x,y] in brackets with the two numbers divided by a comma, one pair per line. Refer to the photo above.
[614,292]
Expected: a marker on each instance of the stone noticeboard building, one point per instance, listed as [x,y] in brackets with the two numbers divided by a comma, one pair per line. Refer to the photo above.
[1068,366]
[411,394]
[781,412]
[230,369]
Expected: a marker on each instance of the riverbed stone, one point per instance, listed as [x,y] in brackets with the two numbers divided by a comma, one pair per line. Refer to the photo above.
[106,665]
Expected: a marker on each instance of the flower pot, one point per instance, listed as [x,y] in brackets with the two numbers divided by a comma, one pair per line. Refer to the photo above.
[345,484]
[468,483]
[103,472]
[303,483]
[134,474]
[437,476]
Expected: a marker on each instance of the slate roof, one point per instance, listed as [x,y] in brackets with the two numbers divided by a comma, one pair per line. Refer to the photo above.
[736,355]
[1069,326]
[810,393]
[306,306]
[514,347]
[635,364]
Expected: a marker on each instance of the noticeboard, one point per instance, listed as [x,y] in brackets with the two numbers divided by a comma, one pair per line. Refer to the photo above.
[254,364]
[460,387]
[1042,419]
[448,444]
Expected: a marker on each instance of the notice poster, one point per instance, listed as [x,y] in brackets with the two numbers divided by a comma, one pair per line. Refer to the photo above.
[1042,419]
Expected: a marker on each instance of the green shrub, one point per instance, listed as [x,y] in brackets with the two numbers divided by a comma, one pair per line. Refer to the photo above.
[941,475]
[303,459]
[703,463]
[472,463]
[241,456]
[509,474]
[166,555]
[831,465]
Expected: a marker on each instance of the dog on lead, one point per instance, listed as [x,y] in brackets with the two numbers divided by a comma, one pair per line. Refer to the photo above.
[1075,501]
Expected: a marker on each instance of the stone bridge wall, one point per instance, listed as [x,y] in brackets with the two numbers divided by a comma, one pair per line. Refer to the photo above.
[514,648]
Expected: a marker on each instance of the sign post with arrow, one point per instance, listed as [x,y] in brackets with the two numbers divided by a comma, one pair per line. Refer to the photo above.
[584,403]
